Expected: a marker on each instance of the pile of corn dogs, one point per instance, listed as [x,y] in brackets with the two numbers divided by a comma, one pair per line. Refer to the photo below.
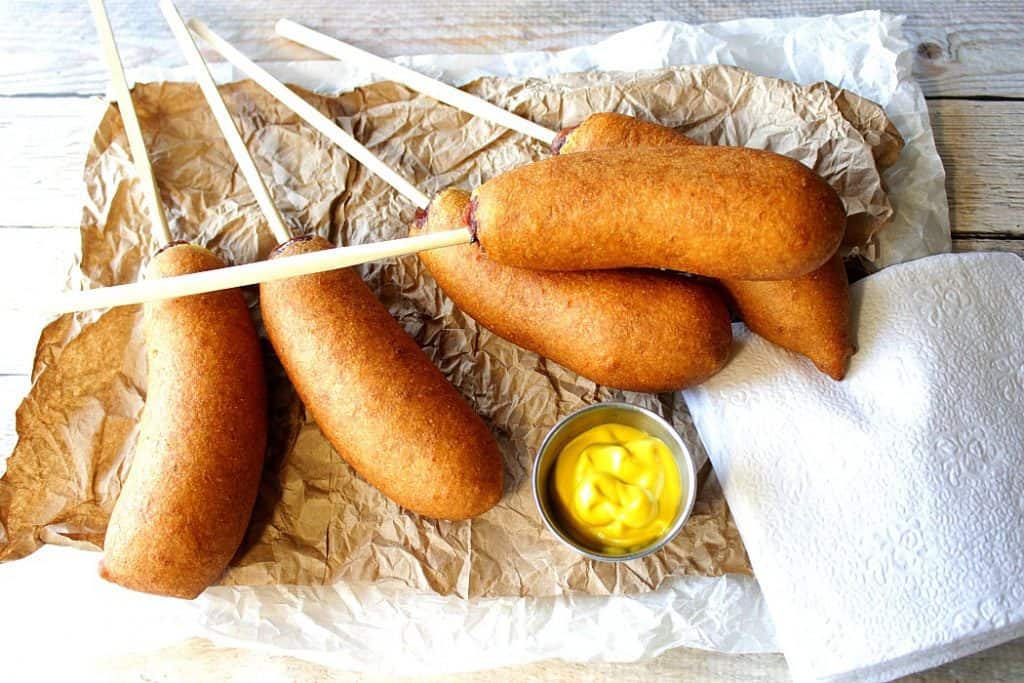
[630,233]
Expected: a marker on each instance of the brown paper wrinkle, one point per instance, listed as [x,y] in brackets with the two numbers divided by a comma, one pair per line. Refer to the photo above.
[315,522]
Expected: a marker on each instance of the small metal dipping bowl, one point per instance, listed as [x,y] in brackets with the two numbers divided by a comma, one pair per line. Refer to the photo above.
[576,423]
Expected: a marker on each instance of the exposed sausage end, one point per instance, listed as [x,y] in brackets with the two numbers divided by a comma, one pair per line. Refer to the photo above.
[470,219]
[559,141]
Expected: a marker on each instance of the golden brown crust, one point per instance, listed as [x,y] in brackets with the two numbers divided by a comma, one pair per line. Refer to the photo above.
[376,396]
[629,329]
[809,315]
[608,130]
[185,506]
[714,211]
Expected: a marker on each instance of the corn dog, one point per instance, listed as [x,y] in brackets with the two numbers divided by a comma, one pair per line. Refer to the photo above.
[377,398]
[809,314]
[190,492]
[608,130]
[723,212]
[634,330]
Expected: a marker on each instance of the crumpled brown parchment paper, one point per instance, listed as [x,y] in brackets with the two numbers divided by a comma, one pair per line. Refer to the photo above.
[315,520]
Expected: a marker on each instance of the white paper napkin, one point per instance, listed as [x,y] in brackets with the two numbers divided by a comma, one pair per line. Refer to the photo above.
[884,515]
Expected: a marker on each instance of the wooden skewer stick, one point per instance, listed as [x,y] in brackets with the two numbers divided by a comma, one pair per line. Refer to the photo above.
[310,114]
[250,273]
[132,129]
[415,80]
[226,123]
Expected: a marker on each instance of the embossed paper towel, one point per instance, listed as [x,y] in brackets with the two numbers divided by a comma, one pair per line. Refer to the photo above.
[884,515]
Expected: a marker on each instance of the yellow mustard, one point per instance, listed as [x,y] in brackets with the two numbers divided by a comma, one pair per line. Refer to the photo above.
[617,488]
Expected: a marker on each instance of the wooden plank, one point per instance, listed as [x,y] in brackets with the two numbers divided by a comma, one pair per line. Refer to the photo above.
[960,50]
[983,153]
[32,261]
[12,389]
[45,140]
[980,241]
[961,244]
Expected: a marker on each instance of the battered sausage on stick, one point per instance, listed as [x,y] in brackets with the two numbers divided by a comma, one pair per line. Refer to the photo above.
[376,397]
[809,314]
[725,212]
[184,507]
[190,492]
[636,330]
[608,130]
[380,401]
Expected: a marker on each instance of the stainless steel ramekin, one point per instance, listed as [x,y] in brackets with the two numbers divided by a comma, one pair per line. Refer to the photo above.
[576,423]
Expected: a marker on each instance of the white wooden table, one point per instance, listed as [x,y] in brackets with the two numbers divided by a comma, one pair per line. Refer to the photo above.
[969,59]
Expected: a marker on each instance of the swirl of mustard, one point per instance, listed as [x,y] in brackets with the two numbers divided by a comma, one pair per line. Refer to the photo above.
[617,488]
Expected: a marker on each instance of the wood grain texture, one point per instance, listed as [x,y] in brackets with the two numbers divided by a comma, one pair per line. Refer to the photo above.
[983,152]
[962,49]
[1015,246]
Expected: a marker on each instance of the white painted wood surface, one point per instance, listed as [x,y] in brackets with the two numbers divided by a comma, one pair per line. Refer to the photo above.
[966,48]
[968,56]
